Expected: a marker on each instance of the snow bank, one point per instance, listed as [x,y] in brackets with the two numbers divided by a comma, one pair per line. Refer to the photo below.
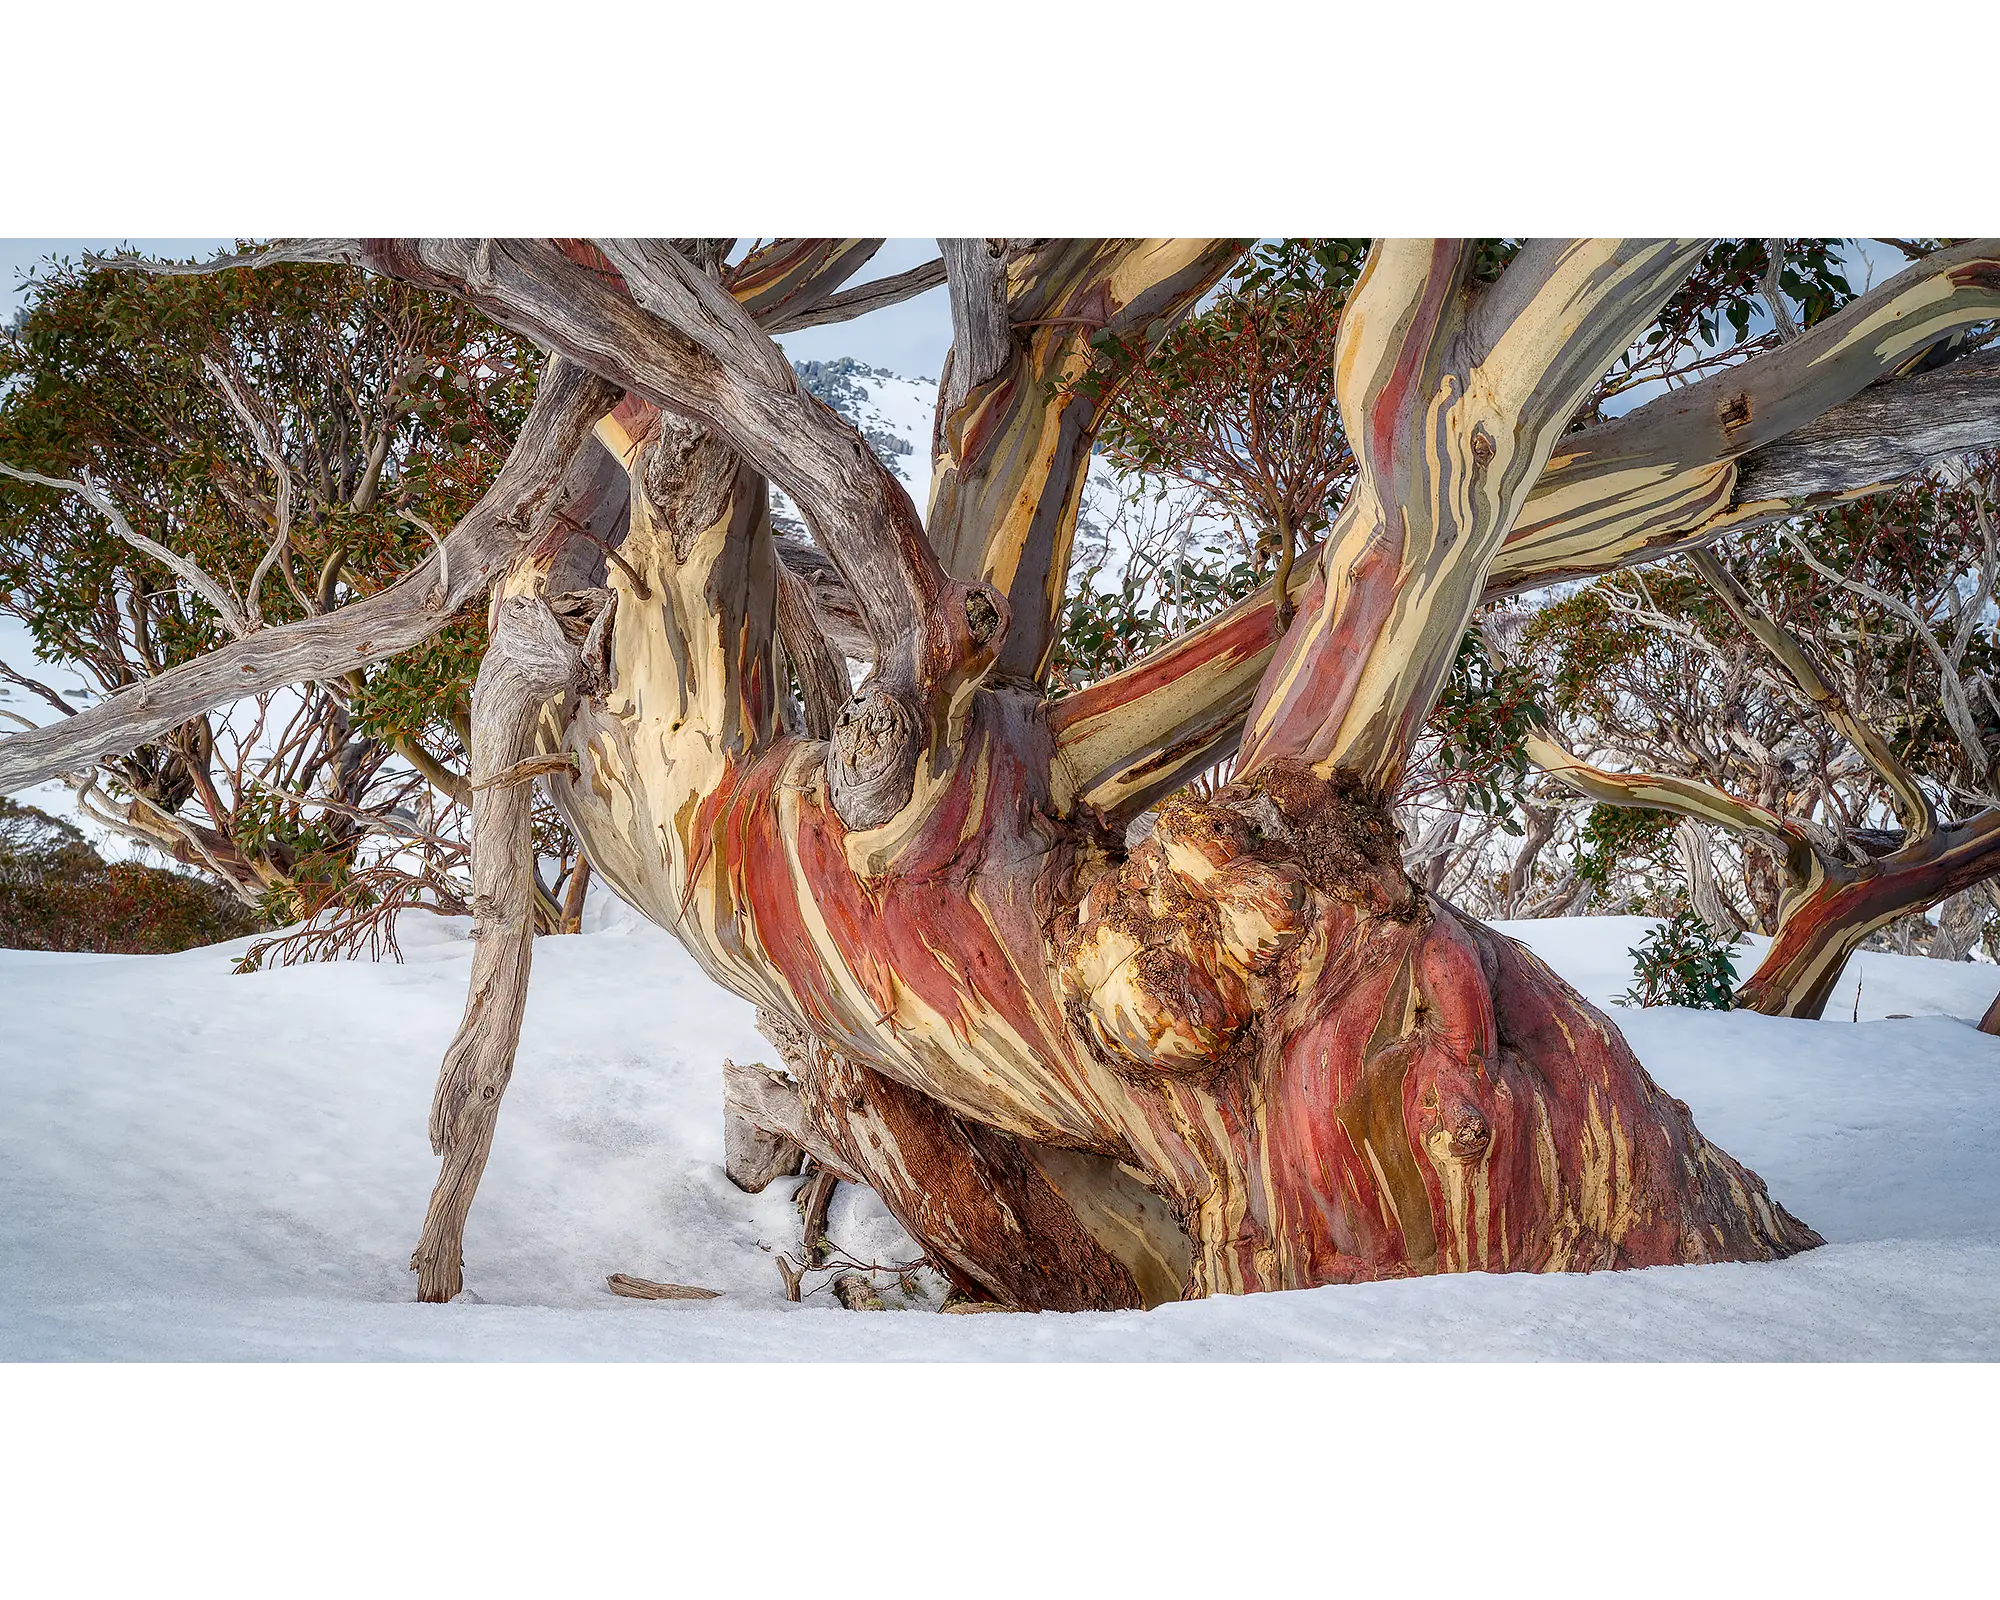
[195,1165]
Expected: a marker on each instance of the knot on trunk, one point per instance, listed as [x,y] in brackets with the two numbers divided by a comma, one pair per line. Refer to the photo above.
[872,765]
[1340,832]
[1170,953]
[1177,950]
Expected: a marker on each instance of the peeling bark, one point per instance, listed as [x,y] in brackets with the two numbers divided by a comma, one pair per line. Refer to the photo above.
[1831,908]
[1247,1053]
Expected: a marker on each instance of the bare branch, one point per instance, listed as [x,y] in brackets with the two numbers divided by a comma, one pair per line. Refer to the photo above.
[308,252]
[1951,686]
[860,300]
[1913,807]
[1662,476]
[1658,792]
[267,447]
[1452,414]
[1891,431]
[783,283]
[566,407]
[215,593]
[528,661]
[821,678]
[1774,294]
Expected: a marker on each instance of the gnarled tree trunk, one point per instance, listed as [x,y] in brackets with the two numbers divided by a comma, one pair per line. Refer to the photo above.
[1249,1053]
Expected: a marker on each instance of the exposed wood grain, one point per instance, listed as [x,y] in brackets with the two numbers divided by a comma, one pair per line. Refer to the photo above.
[645,1289]
[528,661]
[1884,433]
[769,1100]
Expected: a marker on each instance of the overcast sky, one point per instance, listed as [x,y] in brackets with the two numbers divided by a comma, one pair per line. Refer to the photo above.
[909,339]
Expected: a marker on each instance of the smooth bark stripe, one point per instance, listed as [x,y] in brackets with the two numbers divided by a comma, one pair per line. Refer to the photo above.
[1014,445]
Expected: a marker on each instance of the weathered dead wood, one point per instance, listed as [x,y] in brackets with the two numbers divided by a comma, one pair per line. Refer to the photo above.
[814,1201]
[645,1289]
[529,661]
[751,1154]
[527,771]
[814,1198]
[1990,1022]
[751,1157]
[836,610]
[1885,433]
[770,1101]
[858,301]
[1666,473]
[856,1291]
[822,679]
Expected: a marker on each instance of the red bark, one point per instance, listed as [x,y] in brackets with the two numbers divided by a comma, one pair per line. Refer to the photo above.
[1823,924]
[1344,1079]
[1390,1088]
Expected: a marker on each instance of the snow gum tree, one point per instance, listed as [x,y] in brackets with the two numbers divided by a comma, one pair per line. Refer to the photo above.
[184,461]
[1838,717]
[1247,1054]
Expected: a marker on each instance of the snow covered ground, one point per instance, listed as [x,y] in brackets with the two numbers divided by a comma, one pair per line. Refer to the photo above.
[195,1165]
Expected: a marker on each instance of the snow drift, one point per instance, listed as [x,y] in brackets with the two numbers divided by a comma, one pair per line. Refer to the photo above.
[195,1165]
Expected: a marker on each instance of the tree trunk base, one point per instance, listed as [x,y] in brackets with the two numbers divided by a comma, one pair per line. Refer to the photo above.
[1349,1081]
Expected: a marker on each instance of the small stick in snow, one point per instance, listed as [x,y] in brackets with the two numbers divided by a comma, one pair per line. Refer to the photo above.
[856,1291]
[645,1289]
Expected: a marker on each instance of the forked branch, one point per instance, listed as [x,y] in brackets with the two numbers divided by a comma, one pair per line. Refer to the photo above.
[1023,398]
[1913,807]
[1452,407]
[220,599]
[1138,733]
[1660,476]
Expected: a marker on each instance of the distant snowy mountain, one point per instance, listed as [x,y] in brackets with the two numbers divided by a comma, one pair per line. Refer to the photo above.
[892,412]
